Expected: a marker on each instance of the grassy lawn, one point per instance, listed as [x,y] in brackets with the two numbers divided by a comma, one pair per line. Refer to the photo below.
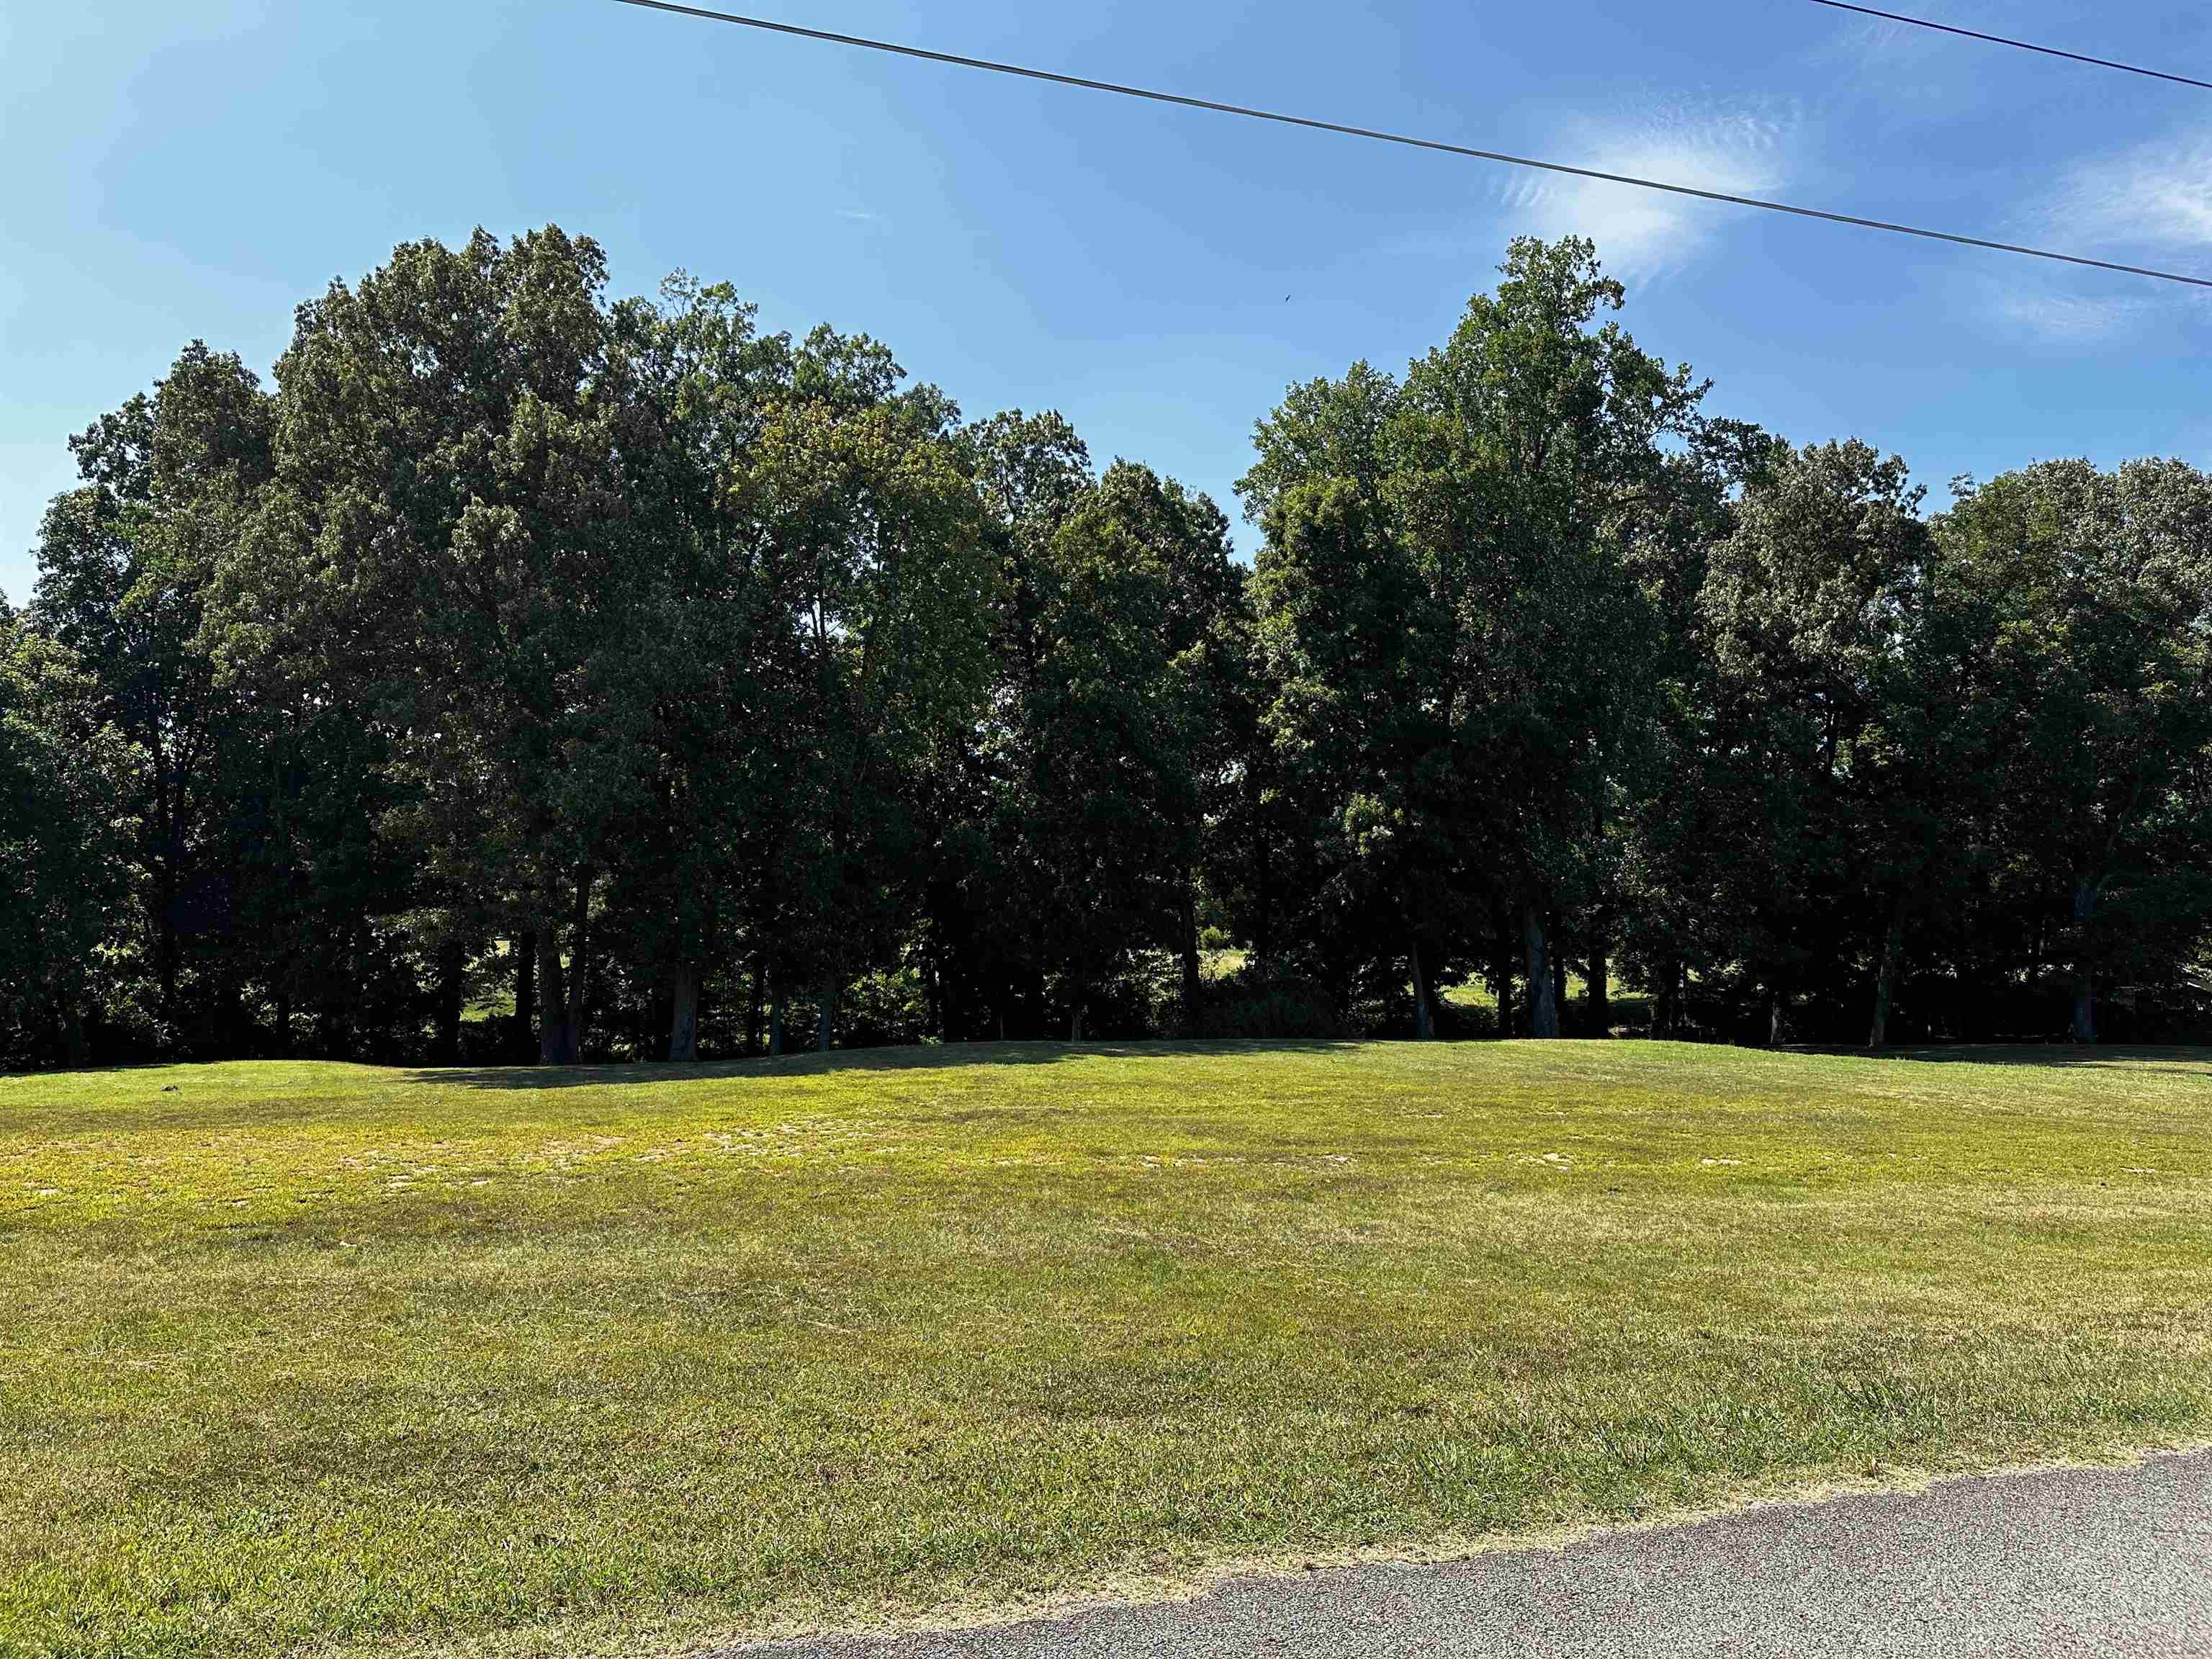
[321,1358]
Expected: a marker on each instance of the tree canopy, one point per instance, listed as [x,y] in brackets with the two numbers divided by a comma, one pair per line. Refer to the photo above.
[529,673]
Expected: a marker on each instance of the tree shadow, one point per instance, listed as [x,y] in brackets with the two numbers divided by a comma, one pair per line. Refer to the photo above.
[2135,1061]
[2172,1060]
[907,1057]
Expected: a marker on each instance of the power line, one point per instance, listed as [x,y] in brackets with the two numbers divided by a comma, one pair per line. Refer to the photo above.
[1435,144]
[2003,40]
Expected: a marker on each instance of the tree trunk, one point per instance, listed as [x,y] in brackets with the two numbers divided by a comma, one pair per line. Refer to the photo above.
[1421,1027]
[2085,984]
[1263,926]
[1667,1007]
[160,859]
[1559,955]
[753,1007]
[1601,977]
[578,957]
[684,1014]
[1075,1024]
[282,1034]
[525,993]
[1885,979]
[166,950]
[1597,992]
[554,1048]
[76,1051]
[1543,1004]
[1501,976]
[955,1012]
[453,965]
[825,1018]
[226,1014]
[334,1021]
[1190,975]
[775,1025]
[1774,1019]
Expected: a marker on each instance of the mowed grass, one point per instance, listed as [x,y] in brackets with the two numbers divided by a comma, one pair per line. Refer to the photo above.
[323,1358]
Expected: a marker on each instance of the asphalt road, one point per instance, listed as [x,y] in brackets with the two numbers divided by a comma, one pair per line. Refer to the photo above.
[2115,1563]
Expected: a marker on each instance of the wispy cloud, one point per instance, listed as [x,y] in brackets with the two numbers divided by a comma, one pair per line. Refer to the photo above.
[1878,46]
[2150,200]
[1913,75]
[1738,151]
[2072,318]
[2157,194]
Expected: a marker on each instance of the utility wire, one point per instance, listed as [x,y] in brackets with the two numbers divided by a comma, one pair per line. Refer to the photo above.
[1435,144]
[2003,40]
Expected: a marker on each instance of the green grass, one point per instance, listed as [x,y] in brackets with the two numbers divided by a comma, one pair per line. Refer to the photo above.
[323,1358]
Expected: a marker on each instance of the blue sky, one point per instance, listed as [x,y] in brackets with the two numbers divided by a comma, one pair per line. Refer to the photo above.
[180,171]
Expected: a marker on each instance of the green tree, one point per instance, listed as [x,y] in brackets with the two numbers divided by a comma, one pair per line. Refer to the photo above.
[1535,445]
[2093,594]
[1348,633]
[67,777]
[449,547]
[1138,616]
[694,890]
[1670,870]
[990,923]
[880,557]
[1462,642]
[127,562]
[1812,606]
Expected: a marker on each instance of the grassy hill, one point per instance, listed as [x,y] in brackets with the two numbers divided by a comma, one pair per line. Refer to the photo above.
[341,1359]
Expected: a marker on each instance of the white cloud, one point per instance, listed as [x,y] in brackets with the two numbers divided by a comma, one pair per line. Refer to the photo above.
[2157,194]
[1879,48]
[1646,233]
[2068,318]
[2148,203]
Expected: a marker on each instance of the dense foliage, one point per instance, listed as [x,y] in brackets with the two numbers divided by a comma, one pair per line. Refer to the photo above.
[533,674]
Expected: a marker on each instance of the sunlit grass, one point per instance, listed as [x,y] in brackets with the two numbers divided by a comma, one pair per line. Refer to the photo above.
[310,1357]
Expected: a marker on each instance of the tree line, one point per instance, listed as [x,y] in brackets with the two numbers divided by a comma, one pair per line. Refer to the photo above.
[533,674]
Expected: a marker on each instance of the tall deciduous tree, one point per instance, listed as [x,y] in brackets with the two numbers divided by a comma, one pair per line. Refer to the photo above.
[127,562]
[697,889]
[1138,611]
[877,539]
[1534,442]
[67,778]
[450,547]
[2094,590]
[990,923]
[1480,514]
[1811,603]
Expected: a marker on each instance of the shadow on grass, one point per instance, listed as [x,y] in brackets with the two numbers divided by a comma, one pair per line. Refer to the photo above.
[910,1058]
[2178,1061]
[2175,1060]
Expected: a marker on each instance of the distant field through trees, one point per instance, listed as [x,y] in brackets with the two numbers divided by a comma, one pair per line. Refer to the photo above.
[526,674]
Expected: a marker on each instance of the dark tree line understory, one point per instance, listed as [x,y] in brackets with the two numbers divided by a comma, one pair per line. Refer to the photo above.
[526,674]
